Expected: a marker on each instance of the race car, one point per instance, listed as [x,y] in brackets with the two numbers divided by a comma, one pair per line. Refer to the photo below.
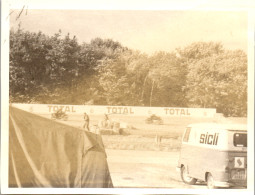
[59,114]
[153,119]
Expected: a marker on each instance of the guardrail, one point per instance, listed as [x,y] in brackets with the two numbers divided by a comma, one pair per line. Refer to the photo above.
[122,110]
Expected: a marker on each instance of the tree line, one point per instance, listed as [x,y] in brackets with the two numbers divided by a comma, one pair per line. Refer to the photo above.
[57,69]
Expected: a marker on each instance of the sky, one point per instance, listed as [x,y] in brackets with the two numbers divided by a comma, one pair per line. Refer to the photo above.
[147,31]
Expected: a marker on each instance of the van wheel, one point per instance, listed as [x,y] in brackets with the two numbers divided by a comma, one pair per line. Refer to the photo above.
[210,181]
[185,178]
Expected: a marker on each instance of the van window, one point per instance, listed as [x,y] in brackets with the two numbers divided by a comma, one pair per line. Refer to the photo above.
[240,139]
[186,136]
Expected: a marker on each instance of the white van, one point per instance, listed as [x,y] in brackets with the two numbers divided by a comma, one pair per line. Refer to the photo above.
[215,153]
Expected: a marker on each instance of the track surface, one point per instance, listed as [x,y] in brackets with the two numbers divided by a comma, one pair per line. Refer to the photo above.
[145,169]
[141,169]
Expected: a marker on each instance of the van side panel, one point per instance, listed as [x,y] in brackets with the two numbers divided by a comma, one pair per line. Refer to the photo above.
[201,160]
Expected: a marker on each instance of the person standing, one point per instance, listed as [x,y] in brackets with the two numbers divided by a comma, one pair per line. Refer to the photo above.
[106,121]
[86,122]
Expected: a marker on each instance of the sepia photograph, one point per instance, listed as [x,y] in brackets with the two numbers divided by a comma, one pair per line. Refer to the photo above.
[128,99]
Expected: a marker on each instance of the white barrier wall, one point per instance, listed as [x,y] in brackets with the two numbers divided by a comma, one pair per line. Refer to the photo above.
[123,110]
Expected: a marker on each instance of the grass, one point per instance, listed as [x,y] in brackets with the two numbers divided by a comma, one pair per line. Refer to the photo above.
[134,142]
[142,136]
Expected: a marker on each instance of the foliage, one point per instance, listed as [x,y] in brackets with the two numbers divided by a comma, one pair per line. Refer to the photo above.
[28,72]
[57,69]
[218,80]
[116,83]
[167,76]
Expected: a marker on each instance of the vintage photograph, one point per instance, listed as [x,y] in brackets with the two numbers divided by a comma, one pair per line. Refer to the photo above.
[128,99]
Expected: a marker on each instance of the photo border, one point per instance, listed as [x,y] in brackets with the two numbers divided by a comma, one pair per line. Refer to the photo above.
[199,5]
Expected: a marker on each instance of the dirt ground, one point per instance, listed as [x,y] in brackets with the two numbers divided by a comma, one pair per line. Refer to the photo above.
[145,169]
[136,160]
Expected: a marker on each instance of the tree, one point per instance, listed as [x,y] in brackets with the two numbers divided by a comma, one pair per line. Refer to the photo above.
[218,80]
[92,58]
[64,58]
[41,67]
[57,69]
[199,50]
[166,80]
[28,64]
[116,83]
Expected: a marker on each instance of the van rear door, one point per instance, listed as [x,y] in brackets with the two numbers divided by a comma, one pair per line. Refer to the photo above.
[238,157]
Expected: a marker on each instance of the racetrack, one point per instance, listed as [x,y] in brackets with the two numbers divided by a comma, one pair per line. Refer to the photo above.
[146,169]
[136,161]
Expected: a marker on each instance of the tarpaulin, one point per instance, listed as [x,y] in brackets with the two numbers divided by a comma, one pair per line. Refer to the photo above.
[45,153]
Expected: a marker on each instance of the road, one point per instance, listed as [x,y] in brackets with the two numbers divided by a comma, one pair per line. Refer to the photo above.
[142,169]
[145,169]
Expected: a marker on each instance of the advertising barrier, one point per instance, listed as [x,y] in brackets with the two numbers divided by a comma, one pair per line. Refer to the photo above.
[122,110]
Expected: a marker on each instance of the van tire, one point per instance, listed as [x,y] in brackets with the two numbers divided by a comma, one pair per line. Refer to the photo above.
[185,178]
[210,181]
